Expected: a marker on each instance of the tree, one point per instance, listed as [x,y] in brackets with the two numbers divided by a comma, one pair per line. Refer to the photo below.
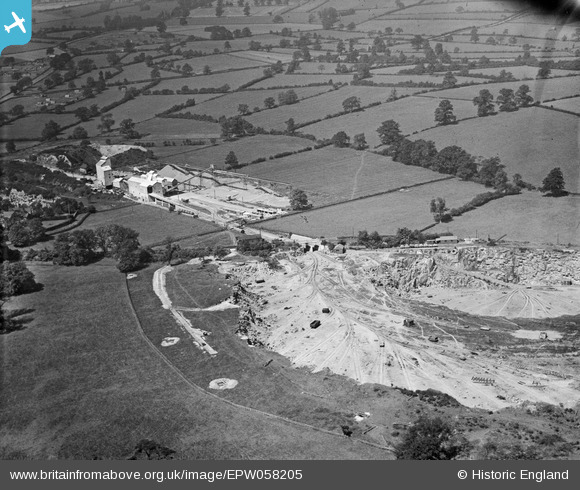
[431,439]
[522,97]
[444,113]
[299,200]
[16,279]
[243,109]
[507,100]
[269,102]
[113,59]
[127,129]
[474,36]
[231,160]
[107,122]
[449,80]
[50,131]
[161,27]
[10,146]
[290,126]
[351,104]
[484,103]
[187,69]
[116,240]
[389,132]
[247,9]
[17,110]
[359,142]
[79,133]
[288,97]
[417,42]
[219,9]
[340,140]
[554,182]
[76,248]
[489,168]
[544,71]
[155,72]
[328,17]
[83,113]
[206,70]
[438,208]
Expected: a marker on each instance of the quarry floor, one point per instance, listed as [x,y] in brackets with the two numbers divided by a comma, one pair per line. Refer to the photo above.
[481,363]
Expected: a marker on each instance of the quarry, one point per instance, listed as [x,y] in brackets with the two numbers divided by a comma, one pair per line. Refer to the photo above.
[475,323]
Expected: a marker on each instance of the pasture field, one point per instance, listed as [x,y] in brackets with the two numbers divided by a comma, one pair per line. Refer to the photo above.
[467,8]
[139,72]
[529,217]
[221,239]
[279,389]
[332,174]
[523,72]
[145,107]
[220,62]
[541,90]
[530,142]
[152,223]
[293,80]
[234,79]
[572,104]
[32,125]
[421,27]
[412,113]
[227,104]
[330,101]
[385,213]
[84,383]
[163,128]
[260,57]
[245,149]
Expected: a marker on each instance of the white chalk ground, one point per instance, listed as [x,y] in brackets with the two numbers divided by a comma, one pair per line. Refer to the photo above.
[169,341]
[223,384]
[517,302]
[535,335]
[363,318]
[112,150]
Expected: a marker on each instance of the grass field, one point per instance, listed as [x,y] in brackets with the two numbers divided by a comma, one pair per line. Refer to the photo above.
[245,149]
[160,128]
[227,104]
[83,383]
[276,388]
[234,79]
[572,104]
[530,142]
[331,102]
[152,223]
[529,217]
[297,80]
[541,90]
[385,213]
[333,174]
[412,114]
[31,126]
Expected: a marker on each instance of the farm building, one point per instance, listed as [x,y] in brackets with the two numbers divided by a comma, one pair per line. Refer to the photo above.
[104,172]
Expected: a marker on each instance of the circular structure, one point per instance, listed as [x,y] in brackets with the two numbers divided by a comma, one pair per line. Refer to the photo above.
[223,384]
[168,341]
[131,276]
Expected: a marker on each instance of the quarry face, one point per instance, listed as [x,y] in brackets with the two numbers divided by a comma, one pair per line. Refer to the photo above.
[485,325]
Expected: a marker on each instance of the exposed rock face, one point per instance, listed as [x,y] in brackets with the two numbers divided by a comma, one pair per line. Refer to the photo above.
[482,268]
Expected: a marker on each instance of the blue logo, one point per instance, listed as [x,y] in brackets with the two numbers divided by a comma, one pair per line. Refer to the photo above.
[15,22]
